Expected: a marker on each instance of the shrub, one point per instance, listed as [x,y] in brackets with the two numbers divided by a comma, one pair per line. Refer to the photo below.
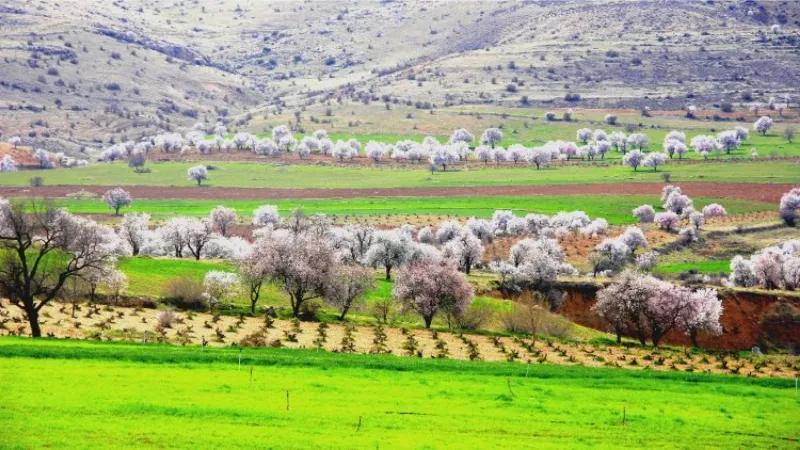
[36,181]
[186,293]
[474,318]
[167,318]
[531,314]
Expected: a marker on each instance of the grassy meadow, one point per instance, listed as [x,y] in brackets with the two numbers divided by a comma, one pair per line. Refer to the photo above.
[130,396]
[615,209]
[253,175]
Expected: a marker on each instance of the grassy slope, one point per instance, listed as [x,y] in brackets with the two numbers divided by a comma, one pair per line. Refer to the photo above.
[149,277]
[131,396]
[271,176]
[615,209]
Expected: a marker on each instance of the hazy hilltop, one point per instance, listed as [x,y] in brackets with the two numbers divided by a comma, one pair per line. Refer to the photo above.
[89,71]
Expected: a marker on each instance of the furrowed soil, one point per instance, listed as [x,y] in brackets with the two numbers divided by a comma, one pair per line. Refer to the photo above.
[743,191]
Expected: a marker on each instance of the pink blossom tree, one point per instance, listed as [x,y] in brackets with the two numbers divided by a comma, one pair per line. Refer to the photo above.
[428,288]
[347,286]
[667,220]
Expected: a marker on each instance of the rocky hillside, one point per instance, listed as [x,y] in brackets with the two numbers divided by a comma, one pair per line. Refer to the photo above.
[89,72]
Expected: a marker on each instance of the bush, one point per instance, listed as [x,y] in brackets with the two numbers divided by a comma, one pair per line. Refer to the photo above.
[572,97]
[36,181]
[185,293]
[726,107]
[530,315]
[167,318]
[474,318]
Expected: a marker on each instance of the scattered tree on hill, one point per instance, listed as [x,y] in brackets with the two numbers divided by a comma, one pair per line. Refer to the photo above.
[198,174]
[763,125]
[15,141]
[714,210]
[116,199]
[584,135]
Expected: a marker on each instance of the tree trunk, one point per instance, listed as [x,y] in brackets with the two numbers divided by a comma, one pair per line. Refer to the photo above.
[388,273]
[693,337]
[428,320]
[33,321]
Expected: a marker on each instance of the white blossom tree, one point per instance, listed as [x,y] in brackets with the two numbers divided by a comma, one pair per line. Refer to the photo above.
[222,218]
[198,174]
[116,199]
[266,215]
[465,250]
[389,249]
[491,137]
[634,159]
[220,286]
[763,124]
[462,135]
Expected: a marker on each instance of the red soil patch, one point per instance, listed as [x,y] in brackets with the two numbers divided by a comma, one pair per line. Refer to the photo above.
[745,191]
[22,156]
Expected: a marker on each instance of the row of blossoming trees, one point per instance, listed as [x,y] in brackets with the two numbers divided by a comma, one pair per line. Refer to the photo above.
[310,259]
[595,145]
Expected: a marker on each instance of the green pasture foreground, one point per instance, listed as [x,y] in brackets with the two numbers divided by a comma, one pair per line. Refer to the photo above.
[103,395]
[307,176]
[614,208]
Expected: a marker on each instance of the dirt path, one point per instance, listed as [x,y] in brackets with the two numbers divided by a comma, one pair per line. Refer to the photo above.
[745,191]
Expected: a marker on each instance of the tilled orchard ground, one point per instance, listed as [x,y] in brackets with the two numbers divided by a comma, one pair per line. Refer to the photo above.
[141,325]
[744,191]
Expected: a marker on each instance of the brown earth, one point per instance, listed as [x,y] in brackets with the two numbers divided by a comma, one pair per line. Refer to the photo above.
[745,191]
[745,320]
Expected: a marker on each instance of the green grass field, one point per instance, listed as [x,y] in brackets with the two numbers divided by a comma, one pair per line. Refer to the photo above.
[93,395]
[616,209]
[704,267]
[273,176]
